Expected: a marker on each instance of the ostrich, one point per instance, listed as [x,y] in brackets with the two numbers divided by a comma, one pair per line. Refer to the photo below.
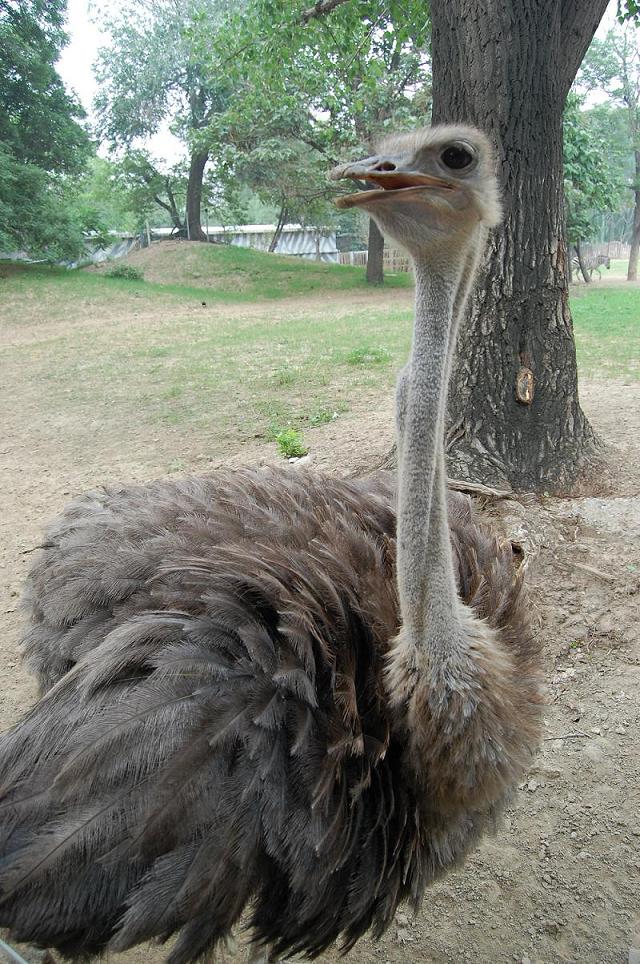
[252,701]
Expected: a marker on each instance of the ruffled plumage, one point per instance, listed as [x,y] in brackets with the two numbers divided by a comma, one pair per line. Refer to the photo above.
[214,733]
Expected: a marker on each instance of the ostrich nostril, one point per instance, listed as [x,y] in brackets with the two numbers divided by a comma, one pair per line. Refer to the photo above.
[385,166]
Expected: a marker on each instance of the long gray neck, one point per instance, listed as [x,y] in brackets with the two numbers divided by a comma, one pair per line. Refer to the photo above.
[426,582]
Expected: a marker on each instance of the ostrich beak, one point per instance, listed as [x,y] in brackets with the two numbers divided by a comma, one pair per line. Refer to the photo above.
[391,175]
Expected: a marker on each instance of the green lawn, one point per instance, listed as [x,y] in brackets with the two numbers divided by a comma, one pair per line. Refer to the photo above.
[92,347]
[607,329]
[201,272]
[84,348]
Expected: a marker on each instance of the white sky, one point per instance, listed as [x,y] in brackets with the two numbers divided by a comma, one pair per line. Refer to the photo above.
[76,64]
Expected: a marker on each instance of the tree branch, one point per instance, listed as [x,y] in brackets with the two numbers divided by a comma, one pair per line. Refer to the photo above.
[173,210]
[321,8]
[163,204]
[579,23]
[317,146]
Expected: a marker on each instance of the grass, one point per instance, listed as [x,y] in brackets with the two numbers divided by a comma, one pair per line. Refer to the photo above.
[607,329]
[201,271]
[91,348]
[91,353]
[365,355]
[224,274]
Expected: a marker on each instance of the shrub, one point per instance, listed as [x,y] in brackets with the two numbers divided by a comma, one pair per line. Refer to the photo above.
[290,443]
[125,271]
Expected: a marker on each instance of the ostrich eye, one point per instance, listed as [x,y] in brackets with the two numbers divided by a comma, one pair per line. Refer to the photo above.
[457,157]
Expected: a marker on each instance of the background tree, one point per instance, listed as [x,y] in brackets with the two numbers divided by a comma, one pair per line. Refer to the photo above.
[151,193]
[151,75]
[509,69]
[100,194]
[318,91]
[42,144]
[592,178]
[629,11]
[613,65]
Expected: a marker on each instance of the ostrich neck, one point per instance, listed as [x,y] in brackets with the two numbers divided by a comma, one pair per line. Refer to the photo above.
[426,582]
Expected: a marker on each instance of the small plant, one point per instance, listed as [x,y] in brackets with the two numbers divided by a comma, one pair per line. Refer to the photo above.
[290,443]
[322,416]
[126,272]
[366,355]
[284,375]
[176,391]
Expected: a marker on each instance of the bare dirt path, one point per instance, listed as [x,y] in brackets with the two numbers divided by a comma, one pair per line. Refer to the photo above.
[561,880]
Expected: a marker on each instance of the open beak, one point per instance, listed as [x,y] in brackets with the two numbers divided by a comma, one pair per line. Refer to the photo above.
[389,176]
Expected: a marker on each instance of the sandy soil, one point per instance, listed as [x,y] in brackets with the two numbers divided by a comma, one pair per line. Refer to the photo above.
[561,880]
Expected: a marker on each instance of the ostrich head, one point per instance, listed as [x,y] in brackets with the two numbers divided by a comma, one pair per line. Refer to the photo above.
[431,186]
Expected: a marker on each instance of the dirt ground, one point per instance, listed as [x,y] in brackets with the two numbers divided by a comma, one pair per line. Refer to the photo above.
[561,880]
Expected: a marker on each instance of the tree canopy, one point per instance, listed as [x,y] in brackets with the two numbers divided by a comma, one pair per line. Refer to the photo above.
[612,65]
[592,174]
[42,143]
[152,74]
[306,94]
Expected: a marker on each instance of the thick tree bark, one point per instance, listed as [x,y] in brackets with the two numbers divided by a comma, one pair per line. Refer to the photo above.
[632,270]
[375,255]
[194,195]
[507,68]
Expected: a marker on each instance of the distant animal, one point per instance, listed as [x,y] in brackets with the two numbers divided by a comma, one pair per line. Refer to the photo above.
[278,692]
[591,262]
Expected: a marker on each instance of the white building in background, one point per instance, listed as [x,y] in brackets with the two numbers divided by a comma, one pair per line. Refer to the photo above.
[295,239]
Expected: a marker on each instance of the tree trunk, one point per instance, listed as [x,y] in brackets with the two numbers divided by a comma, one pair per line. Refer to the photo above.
[194,195]
[375,255]
[176,220]
[514,415]
[632,271]
[583,270]
[282,220]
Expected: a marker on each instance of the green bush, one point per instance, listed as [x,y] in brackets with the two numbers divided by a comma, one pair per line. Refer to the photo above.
[290,443]
[125,271]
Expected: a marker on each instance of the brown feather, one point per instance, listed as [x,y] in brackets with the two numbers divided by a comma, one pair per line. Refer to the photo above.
[214,732]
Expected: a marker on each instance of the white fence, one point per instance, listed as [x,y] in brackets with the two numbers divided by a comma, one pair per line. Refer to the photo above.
[611,249]
[393,259]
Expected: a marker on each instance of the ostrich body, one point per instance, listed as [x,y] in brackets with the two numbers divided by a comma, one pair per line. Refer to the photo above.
[255,697]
